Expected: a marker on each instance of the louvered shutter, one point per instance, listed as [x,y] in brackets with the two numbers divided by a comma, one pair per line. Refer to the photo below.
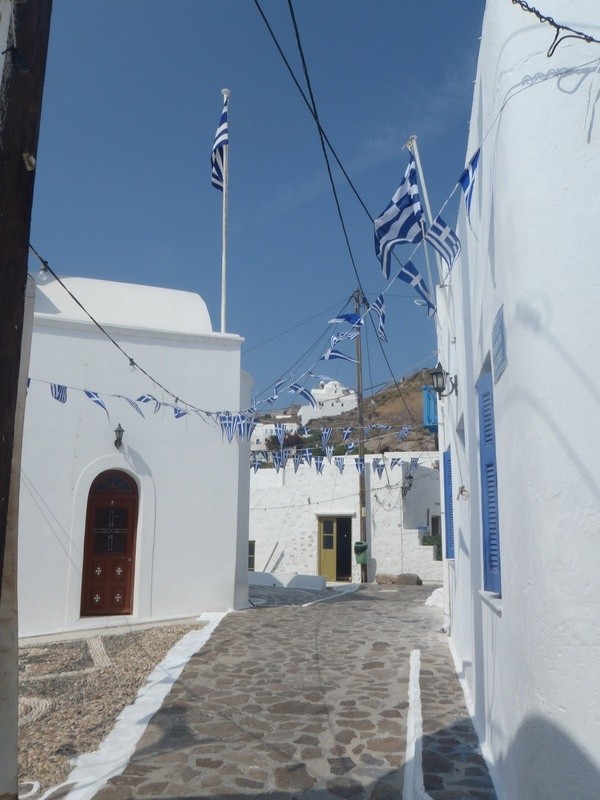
[449,512]
[489,485]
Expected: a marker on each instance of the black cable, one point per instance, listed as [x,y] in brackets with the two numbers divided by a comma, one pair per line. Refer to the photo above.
[558,27]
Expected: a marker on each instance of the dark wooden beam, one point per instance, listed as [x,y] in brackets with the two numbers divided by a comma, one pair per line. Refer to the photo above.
[22,86]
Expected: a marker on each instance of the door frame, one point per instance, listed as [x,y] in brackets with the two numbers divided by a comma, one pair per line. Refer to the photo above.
[335,517]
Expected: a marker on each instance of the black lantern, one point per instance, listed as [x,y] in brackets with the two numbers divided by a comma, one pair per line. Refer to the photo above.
[440,378]
[119,431]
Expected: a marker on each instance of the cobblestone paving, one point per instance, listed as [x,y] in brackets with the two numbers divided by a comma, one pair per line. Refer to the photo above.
[292,702]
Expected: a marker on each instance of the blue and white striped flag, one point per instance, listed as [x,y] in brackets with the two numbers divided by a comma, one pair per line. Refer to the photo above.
[218,152]
[414,463]
[255,464]
[179,412]
[346,432]
[280,432]
[467,181]
[409,274]
[329,452]
[444,240]
[353,319]
[360,464]
[95,398]
[319,464]
[277,459]
[350,447]
[378,467]
[228,423]
[400,222]
[148,398]
[58,392]
[331,354]
[403,432]
[245,427]
[277,387]
[378,306]
[339,462]
[395,462]
[297,460]
[307,455]
[132,403]
[325,436]
[297,388]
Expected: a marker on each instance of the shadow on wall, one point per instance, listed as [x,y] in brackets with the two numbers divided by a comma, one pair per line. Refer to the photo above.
[544,763]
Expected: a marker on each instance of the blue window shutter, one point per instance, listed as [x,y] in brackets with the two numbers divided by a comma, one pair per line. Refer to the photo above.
[430,418]
[489,485]
[448,509]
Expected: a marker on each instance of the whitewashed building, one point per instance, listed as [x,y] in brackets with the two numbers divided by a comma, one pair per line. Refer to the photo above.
[520,330]
[307,523]
[156,528]
[332,399]
[264,431]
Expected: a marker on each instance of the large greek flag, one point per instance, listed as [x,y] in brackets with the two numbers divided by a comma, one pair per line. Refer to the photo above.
[221,141]
[400,221]
[409,274]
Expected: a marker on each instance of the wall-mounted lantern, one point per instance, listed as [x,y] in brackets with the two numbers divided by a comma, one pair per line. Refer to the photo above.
[119,431]
[440,379]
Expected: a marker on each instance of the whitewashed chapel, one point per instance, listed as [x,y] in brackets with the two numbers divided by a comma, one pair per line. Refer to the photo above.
[153,525]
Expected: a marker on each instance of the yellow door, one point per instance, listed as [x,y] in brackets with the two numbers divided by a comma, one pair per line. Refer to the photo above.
[327,549]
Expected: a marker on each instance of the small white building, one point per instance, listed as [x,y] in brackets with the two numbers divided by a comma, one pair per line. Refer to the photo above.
[307,523]
[264,431]
[156,528]
[332,399]
[519,327]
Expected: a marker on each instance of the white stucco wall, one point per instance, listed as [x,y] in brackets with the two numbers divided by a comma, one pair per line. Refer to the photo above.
[285,508]
[332,399]
[531,657]
[187,474]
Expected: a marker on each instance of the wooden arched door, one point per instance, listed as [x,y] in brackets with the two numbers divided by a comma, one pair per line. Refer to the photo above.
[109,550]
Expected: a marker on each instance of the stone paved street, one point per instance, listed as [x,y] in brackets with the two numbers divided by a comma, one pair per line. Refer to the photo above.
[310,702]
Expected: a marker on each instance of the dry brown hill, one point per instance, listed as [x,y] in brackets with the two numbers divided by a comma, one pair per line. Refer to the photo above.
[395,406]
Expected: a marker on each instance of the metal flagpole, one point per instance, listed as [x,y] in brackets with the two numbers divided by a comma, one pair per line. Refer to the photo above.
[412,146]
[362,493]
[225,93]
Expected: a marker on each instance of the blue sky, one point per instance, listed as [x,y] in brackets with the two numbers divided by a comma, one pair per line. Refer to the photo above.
[131,104]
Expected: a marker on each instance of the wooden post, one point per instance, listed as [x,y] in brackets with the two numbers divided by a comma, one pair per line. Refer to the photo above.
[22,88]
[18,144]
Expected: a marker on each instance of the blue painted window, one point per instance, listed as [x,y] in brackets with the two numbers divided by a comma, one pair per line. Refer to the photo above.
[430,417]
[448,509]
[489,485]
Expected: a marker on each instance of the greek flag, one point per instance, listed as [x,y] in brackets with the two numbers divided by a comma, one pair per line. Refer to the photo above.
[379,308]
[217,155]
[319,464]
[346,432]
[277,459]
[58,392]
[379,467]
[255,464]
[400,221]
[350,447]
[148,398]
[307,455]
[179,412]
[414,463]
[297,461]
[329,452]
[330,354]
[276,389]
[228,423]
[444,240]
[409,274]
[325,436]
[360,464]
[403,432]
[339,462]
[132,403]
[95,398]
[245,426]
[296,388]
[395,462]
[467,181]
[353,319]
[280,432]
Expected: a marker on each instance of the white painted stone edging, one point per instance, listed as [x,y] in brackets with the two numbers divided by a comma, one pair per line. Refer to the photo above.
[93,770]
[414,787]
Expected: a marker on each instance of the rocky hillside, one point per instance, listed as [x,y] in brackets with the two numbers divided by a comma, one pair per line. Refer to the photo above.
[392,406]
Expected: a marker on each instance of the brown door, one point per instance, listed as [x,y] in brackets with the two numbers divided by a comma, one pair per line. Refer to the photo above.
[109,550]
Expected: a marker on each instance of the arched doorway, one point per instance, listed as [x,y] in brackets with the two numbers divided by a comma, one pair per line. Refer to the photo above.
[109,549]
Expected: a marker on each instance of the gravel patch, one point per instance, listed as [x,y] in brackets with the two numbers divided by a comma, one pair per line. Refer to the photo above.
[71,692]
